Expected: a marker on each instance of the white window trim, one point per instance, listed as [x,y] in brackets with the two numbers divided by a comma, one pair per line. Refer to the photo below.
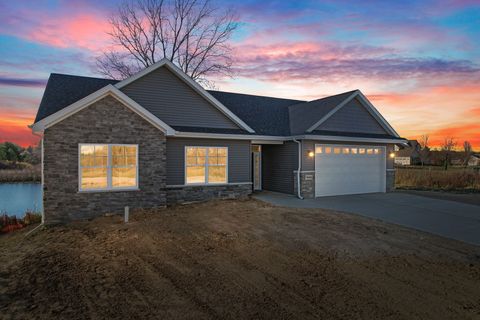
[109,187]
[206,183]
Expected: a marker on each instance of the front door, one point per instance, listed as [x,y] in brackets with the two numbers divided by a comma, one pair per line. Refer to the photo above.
[257,167]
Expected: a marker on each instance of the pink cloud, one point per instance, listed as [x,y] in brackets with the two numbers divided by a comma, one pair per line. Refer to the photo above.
[69,26]
[85,31]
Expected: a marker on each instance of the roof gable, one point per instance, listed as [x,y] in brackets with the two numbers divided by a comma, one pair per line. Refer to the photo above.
[108,90]
[150,72]
[354,117]
[176,103]
[305,115]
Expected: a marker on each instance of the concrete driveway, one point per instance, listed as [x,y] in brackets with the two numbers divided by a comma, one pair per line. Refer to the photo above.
[449,219]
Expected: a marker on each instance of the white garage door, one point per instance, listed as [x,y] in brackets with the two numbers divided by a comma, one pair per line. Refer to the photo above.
[344,169]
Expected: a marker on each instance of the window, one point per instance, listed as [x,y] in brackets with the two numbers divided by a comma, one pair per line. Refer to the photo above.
[369,151]
[328,150]
[337,150]
[206,165]
[346,150]
[108,167]
[361,150]
[318,149]
[354,150]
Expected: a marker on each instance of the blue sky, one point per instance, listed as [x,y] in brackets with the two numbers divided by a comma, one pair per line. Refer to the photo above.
[417,61]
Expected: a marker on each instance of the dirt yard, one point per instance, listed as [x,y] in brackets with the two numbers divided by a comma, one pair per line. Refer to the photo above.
[237,259]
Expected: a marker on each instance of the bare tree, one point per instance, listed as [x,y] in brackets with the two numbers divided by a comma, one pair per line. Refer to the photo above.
[424,149]
[448,146]
[467,149]
[194,34]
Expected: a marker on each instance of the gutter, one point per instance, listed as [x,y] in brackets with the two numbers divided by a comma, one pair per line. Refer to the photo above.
[299,192]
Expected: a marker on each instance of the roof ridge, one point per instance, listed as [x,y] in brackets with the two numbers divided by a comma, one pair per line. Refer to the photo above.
[77,76]
[256,95]
[335,95]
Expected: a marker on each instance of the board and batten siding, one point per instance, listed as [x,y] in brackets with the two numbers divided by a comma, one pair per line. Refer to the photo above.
[174,102]
[278,164]
[239,158]
[352,117]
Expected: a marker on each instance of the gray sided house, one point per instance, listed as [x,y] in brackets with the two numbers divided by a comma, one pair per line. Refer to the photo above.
[158,138]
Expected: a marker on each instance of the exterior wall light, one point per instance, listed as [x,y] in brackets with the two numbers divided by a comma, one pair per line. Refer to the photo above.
[392,155]
[311,153]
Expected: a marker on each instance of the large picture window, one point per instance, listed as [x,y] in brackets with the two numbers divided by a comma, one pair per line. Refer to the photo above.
[108,167]
[206,165]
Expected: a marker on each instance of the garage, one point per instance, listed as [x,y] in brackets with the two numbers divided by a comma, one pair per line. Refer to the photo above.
[349,169]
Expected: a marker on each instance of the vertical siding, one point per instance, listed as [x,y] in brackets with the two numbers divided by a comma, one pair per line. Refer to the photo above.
[278,164]
[352,118]
[239,158]
[174,102]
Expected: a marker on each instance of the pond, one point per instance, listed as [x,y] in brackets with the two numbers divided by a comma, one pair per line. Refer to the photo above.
[16,198]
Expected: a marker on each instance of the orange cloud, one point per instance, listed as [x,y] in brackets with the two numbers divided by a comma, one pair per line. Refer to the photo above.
[14,127]
[474,112]
[460,133]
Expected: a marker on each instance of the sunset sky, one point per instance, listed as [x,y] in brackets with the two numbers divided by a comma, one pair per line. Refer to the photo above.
[417,61]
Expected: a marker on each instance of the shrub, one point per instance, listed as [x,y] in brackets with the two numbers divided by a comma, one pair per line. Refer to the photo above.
[12,223]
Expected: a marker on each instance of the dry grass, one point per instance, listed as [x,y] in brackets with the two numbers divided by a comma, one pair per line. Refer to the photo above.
[24,173]
[12,223]
[428,178]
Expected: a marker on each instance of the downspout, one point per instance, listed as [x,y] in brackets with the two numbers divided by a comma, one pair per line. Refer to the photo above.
[41,179]
[299,192]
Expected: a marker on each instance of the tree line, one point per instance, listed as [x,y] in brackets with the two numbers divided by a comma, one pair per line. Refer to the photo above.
[448,150]
[14,153]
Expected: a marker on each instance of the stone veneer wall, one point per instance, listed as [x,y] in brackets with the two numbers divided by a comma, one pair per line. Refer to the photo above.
[307,184]
[390,186]
[183,194]
[105,121]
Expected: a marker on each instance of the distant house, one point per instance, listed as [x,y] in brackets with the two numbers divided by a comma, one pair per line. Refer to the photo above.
[409,155]
[457,162]
[474,160]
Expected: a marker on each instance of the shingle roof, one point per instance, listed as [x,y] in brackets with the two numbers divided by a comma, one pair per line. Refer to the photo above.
[306,114]
[411,151]
[266,115]
[62,90]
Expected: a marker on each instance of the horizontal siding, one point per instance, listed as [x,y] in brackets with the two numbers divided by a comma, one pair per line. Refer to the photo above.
[278,164]
[174,102]
[239,158]
[308,163]
[352,117]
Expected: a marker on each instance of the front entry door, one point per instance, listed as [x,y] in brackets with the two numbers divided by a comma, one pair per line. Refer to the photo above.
[257,167]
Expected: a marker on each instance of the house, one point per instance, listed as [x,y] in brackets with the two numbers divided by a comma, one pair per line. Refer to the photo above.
[158,138]
[409,155]
[474,160]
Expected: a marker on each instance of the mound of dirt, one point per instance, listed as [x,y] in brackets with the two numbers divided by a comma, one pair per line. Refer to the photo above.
[237,259]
